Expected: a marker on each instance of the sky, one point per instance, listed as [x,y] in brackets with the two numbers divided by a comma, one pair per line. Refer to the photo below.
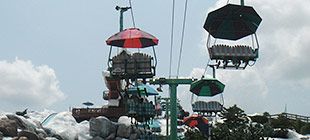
[53,52]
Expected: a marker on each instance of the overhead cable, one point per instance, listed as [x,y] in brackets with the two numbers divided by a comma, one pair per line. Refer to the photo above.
[182,38]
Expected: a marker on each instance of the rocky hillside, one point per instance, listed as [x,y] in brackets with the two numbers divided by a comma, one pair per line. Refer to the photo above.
[62,126]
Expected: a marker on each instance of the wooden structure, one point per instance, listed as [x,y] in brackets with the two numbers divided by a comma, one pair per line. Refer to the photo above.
[291,117]
[113,113]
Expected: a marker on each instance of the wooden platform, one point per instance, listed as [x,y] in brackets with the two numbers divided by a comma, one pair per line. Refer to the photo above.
[113,113]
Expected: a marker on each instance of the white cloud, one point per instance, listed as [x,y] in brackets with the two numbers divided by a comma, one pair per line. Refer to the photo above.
[245,88]
[23,84]
[285,41]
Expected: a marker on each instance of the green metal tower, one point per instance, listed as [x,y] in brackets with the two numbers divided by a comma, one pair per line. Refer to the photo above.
[173,84]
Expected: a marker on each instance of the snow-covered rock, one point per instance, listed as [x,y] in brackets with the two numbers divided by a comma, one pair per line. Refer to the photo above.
[8,127]
[125,120]
[65,125]
[2,116]
[295,136]
[24,123]
[39,116]
[101,126]
[124,131]
[29,135]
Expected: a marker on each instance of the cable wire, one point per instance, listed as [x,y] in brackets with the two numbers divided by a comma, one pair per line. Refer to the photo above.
[171,39]
[204,73]
[132,17]
[182,38]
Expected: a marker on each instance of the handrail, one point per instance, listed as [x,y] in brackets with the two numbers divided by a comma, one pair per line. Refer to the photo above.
[292,116]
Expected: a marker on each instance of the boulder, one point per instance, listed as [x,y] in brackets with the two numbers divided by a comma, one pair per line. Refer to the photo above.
[1,135]
[23,138]
[111,136]
[29,134]
[97,138]
[41,132]
[15,138]
[124,131]
[8,127]
[18,121]
[137,131]
[119,138]
[58,137]
[101,126]
[50,132]
[125,120]
[22,123]
[133,137]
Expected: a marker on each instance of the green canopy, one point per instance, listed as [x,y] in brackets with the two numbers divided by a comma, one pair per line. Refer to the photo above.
[207,87]
[232,22]
[143,90]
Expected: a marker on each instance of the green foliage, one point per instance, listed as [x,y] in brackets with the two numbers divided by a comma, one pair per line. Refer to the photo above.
[236,126]
[262,119]
[282,122]
[194,134]
[234,116]
[266,114]
[183,114]
[305,129]
[268,130]
[298,124]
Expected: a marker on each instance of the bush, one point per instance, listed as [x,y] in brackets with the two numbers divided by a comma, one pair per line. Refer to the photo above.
[236,126]
[194,134]
[305,129]
[282,122]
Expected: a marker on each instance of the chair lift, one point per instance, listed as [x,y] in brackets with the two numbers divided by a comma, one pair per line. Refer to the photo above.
[207,87]
[233,22]
[138,107]
[237,56]
[127,66]
[136,66]
[132,66]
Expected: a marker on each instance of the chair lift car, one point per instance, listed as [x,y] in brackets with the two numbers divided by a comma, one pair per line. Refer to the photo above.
[139,108]
[207,107]
[207,87]
[232,22]
[127,66]
[132,66]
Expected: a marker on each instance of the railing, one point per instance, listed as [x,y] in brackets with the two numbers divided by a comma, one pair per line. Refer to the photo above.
[292,117]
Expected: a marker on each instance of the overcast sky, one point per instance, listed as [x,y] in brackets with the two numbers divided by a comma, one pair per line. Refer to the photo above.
[52,52]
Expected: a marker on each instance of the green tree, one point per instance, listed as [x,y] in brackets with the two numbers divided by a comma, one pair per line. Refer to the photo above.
[282,122]
[236,126]
[305,129]
[262,119]
[194,134]
[234,116]
[298,124]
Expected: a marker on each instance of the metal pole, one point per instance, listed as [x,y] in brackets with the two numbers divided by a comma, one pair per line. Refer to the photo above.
[121,20]
[122,10]
[242,2]
[213,71]
[213,68]
[167,116]
[173,83]
[173,109]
